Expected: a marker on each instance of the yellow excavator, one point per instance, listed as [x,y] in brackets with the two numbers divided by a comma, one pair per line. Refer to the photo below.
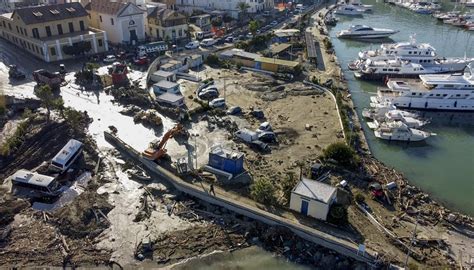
[156,150]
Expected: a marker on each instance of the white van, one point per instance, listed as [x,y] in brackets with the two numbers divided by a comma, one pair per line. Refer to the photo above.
[66,156]
[34,184]
[192,45]
[207,42]
[246,135]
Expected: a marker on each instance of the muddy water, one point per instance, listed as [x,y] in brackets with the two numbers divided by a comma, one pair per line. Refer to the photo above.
[252,258]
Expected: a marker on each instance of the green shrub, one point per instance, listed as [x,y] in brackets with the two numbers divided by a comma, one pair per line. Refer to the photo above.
[341,153]
[263,191]
[359,198]
[337,214]
[212,60]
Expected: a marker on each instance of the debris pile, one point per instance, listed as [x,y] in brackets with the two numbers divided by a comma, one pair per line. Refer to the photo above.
[149,118]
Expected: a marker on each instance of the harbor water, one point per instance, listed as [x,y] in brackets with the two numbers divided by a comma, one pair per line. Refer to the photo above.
[443,166]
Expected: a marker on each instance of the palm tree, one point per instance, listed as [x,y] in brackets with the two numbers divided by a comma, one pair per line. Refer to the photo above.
[243,7]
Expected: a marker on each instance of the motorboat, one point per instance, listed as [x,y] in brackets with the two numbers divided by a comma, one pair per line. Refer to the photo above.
[383,69]
[330,20]
[397,115]
[365,32]
[349,10]
[359,5]
[398,131]
[419,53]
[442,92]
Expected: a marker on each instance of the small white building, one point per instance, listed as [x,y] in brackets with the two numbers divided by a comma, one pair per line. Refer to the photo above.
[161,75]
[163,86]
[312,198]
[171,99]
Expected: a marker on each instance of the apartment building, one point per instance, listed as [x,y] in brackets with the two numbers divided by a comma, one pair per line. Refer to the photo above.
[167,24]
[53,32]
[231,7]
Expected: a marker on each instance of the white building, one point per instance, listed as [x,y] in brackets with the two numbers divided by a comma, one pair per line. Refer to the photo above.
[229,6]
[124,21]
[312,198]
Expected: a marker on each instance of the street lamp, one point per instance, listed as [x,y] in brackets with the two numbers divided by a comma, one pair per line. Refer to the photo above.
[195,135]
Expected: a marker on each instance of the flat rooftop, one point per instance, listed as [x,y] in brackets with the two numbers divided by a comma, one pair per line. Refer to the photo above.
[165,84]
[226,153]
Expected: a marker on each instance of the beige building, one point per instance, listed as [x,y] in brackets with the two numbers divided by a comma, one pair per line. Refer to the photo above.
[123,20]
[53,32]
[312,198]
[167,24]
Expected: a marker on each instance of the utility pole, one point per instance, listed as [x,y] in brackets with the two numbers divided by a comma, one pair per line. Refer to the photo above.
[411,241]
[224,86]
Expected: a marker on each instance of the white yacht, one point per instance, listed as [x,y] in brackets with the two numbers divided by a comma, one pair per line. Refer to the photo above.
[349,10]
[383,69]
[380,111]
[419,53]
[453,92]
[365,32]
[398,131]
[396,115]
[359,5]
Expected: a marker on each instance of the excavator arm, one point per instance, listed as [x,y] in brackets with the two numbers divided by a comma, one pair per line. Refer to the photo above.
[159,150]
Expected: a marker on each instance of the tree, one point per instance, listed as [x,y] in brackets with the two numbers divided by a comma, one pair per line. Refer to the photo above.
[73,118]
[243,7]
[337,214]
[253,27]
[58,104]
[263,191]
[46,96]
[341,153]
[288,183]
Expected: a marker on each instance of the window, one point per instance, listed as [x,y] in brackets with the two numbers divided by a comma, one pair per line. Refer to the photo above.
[60,29]
[4,24]
[409,52]
[53,51]
[48,31]
[9,26]
[17,30]
[35,32]
[100,18]
[71,27]
[100,42]
[180,32]
[112,21]
[81,25]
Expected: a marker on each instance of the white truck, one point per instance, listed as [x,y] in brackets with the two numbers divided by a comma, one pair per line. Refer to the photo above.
[153,47]
[246,135]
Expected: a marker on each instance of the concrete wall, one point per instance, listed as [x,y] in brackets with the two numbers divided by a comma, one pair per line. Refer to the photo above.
[342,246]
[316,209]
[157,32]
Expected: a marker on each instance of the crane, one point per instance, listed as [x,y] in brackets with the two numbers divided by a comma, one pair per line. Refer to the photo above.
[157,149]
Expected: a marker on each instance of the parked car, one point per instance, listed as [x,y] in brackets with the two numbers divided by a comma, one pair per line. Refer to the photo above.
[234,110]
[242,37]
[208,42]
[110,59]
[273,23]
[210,87]
[192,45]
[265,126]
[259,146]
[267,136]
[266,13]
[217,102]
[257,114]
[249,36]
[208,94]
[219,41]
[229,39]
[141,61]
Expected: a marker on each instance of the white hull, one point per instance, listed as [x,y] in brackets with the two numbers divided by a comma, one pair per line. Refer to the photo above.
[399,137]
[367,36]
[421,103]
